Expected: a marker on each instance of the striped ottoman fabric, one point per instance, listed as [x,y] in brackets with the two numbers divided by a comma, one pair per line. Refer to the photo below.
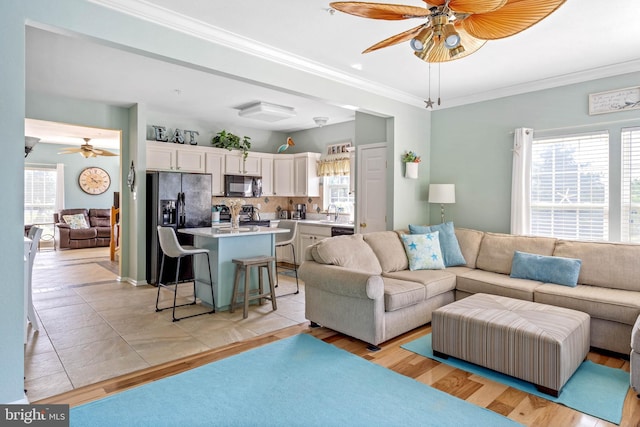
[538,343]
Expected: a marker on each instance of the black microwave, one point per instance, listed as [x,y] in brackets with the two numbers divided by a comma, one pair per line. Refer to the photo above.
[242,186]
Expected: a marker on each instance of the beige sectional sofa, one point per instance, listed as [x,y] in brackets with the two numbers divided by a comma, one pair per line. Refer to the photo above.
[361,285]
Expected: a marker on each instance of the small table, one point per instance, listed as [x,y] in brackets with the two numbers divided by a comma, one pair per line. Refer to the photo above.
[538,343]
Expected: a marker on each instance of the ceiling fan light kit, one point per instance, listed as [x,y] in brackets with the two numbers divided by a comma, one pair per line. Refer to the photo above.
[267,112]
[454,28]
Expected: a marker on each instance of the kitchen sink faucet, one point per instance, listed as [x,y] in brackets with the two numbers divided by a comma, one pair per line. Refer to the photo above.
[335,215]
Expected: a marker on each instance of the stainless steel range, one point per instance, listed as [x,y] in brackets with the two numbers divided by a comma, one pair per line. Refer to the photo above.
[248,215]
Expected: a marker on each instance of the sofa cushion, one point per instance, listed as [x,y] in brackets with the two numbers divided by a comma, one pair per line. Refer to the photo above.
[609,265]
[83,233]
[487,282]
[401,293]
[103,232]
[100,217]
[496,250]
[616,305]
[469,241]
[436,282]
[347,251]
[76,221]
[451,253]
[389,249]
[423,251]
[547,269]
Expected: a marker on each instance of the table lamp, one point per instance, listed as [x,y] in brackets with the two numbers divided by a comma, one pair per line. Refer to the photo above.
[442,193]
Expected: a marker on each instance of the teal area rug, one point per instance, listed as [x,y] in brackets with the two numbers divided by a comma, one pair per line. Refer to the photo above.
[593,389]
[298,381]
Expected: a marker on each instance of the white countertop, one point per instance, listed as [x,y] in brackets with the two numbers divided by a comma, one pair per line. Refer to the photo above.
[324,223]
[223,231]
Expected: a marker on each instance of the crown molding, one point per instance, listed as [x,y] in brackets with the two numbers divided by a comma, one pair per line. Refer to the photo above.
[549,83]
[142,9]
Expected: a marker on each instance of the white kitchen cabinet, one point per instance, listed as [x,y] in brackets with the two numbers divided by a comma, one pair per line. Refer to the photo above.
[266,167]
[214,164]
[309,235]
[235,164]
[283,175]
[306,181]
[176,157]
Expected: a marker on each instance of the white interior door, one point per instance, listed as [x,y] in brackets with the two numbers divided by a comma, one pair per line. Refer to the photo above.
[371,194]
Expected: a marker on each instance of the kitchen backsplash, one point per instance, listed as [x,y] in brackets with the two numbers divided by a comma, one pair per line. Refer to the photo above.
[271,205]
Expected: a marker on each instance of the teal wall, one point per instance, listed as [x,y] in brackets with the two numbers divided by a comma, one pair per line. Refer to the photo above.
[74,197]
[86,19]
[471,146]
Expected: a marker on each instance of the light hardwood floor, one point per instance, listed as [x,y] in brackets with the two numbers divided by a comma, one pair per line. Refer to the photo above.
[521,407]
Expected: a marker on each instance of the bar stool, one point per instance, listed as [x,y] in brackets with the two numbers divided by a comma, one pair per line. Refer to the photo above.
[287,240]
[172,249]
[245,265]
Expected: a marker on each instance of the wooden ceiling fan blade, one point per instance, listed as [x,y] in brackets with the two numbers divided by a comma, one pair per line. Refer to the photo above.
[440,53]
[389,12]
[398,38]
[476,6]
[514,17]
[70,150]
[102,152]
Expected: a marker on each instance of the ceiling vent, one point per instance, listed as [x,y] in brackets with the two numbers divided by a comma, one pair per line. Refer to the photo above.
[267,112]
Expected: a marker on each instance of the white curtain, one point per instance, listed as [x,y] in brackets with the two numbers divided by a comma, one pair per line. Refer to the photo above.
[60,187]
[521,182]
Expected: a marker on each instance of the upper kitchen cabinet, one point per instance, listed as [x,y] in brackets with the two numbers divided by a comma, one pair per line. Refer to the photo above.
[236,165]
[306,182]
[214,164]
[266,166]
[283,175]
[175,157]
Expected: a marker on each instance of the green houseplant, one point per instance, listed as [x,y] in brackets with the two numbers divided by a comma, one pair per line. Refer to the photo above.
[224,139]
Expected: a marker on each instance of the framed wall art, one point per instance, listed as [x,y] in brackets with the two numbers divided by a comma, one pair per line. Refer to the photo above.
[614,100]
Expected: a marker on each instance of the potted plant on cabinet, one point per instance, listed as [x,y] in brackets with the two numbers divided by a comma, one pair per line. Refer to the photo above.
[224,139]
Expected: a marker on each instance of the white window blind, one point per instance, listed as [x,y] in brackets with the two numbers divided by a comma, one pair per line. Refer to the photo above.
[569,187]
[630,185]
[39,195]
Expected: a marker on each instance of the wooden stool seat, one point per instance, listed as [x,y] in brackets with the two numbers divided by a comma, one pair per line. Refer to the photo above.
[245,265]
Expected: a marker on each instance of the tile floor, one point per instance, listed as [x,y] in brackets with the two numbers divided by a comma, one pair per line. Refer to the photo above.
[94,327]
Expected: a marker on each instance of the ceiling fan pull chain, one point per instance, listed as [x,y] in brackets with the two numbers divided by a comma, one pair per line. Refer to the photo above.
[439,80]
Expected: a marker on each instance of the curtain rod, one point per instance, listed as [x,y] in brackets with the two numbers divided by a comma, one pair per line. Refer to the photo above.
[636,119]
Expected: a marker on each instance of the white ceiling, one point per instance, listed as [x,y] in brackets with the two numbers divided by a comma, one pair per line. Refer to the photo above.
[582,40]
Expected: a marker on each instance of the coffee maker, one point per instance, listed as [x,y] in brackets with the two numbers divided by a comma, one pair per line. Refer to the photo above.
[301,211]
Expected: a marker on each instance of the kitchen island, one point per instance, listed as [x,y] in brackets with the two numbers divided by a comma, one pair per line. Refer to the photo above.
[225,244]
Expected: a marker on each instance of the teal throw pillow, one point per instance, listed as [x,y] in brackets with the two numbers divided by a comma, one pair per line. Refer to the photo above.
[448,241]
[547,269]
[423,251]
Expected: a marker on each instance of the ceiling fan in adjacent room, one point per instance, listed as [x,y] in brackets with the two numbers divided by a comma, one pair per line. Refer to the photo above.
[86,150]
[454,28]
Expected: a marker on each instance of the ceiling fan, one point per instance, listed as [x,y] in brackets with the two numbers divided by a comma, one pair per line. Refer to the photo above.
[87,150]
[454,28]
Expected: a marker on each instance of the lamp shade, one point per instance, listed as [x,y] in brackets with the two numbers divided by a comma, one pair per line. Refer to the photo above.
[442,193]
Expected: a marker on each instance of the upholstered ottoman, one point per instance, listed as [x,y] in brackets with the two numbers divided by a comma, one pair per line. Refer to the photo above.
[538,343]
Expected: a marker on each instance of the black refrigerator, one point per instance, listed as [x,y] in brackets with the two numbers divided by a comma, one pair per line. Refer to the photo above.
[178,200]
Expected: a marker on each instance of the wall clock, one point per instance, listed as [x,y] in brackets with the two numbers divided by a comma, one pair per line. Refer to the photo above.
[94,180]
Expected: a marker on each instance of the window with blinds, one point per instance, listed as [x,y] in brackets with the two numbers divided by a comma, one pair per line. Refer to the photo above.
[39,195]
[630,197]
[569,187]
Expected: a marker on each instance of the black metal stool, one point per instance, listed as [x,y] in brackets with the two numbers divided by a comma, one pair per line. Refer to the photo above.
[172,249]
